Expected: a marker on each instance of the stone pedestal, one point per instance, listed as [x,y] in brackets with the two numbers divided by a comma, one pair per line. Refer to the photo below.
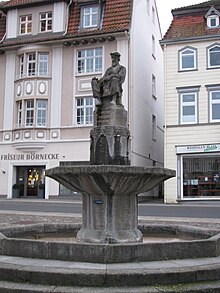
[110,136]
[109,219]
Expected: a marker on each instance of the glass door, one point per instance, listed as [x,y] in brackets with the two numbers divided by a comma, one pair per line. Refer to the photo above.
[31,181]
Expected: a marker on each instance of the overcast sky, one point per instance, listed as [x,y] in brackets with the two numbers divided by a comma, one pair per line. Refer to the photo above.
[164,9]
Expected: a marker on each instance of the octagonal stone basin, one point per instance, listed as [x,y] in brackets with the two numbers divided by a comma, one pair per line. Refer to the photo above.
[52,241]
[110,179]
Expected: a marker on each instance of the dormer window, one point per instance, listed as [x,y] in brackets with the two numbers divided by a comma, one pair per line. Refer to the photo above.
[25,24]
[90,16]
[213,21]
[45,22]
[212,17]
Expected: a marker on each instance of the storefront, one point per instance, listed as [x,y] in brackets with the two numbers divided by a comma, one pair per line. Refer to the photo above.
[198,172]
[22,170]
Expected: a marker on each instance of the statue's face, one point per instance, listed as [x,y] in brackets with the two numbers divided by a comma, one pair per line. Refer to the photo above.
[115,61]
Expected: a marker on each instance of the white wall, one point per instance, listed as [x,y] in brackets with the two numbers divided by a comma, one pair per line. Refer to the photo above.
[142,104]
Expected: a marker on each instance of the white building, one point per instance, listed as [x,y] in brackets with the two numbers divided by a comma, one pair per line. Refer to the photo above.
[50,50]
[192,103]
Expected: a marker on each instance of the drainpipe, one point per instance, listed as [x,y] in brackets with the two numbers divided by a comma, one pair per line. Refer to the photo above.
[68,12]
[165,118]
[3,38]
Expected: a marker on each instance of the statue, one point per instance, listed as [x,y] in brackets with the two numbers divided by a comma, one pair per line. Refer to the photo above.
[110,85]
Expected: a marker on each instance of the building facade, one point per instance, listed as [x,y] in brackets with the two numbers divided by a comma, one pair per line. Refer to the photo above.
[49,52]
[192,103]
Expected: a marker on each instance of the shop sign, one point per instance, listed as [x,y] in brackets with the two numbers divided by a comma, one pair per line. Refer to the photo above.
[28,157]
[198,149]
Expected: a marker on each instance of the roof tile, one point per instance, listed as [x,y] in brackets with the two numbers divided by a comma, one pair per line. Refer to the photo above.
[190,23]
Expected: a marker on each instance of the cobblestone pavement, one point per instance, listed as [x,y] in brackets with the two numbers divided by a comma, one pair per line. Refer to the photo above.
[11,218]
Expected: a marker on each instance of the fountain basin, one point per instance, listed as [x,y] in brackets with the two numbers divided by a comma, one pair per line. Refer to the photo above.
[110,179]
[28,241]
[109,198]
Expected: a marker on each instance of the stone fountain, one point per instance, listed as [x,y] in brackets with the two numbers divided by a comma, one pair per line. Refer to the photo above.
[97,254]
[109,185]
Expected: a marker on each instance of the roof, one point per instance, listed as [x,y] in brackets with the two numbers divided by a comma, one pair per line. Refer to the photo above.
[117,18]
[190,22]
[22,3]
[201,5]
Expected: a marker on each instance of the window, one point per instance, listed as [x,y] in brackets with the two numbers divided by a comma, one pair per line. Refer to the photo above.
[213,21]
[154,127]
[153,86]
[187,59]
[214,105]
[90,16]
[29,113]
[201,177]
[89,60]
[35,113]
[43,64]
[84,111]
[153,15]
[41,112]
[25,24]
[188,107]
[19,111]
[153,46]
[21,65]
[33,63]
[46,22]
[214,56]
[148,6]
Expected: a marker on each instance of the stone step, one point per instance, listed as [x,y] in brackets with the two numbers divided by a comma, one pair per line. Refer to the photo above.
[76,274]
[205,287]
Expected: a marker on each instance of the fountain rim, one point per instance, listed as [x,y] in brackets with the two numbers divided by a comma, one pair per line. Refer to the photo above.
[106,169]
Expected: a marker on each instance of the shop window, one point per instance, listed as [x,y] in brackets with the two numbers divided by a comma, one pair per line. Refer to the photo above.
[187,59]
[89,60]
[188,107]
[201,176]
[84,111]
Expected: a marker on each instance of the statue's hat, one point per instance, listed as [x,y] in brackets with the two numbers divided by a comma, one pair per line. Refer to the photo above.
[115,54]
